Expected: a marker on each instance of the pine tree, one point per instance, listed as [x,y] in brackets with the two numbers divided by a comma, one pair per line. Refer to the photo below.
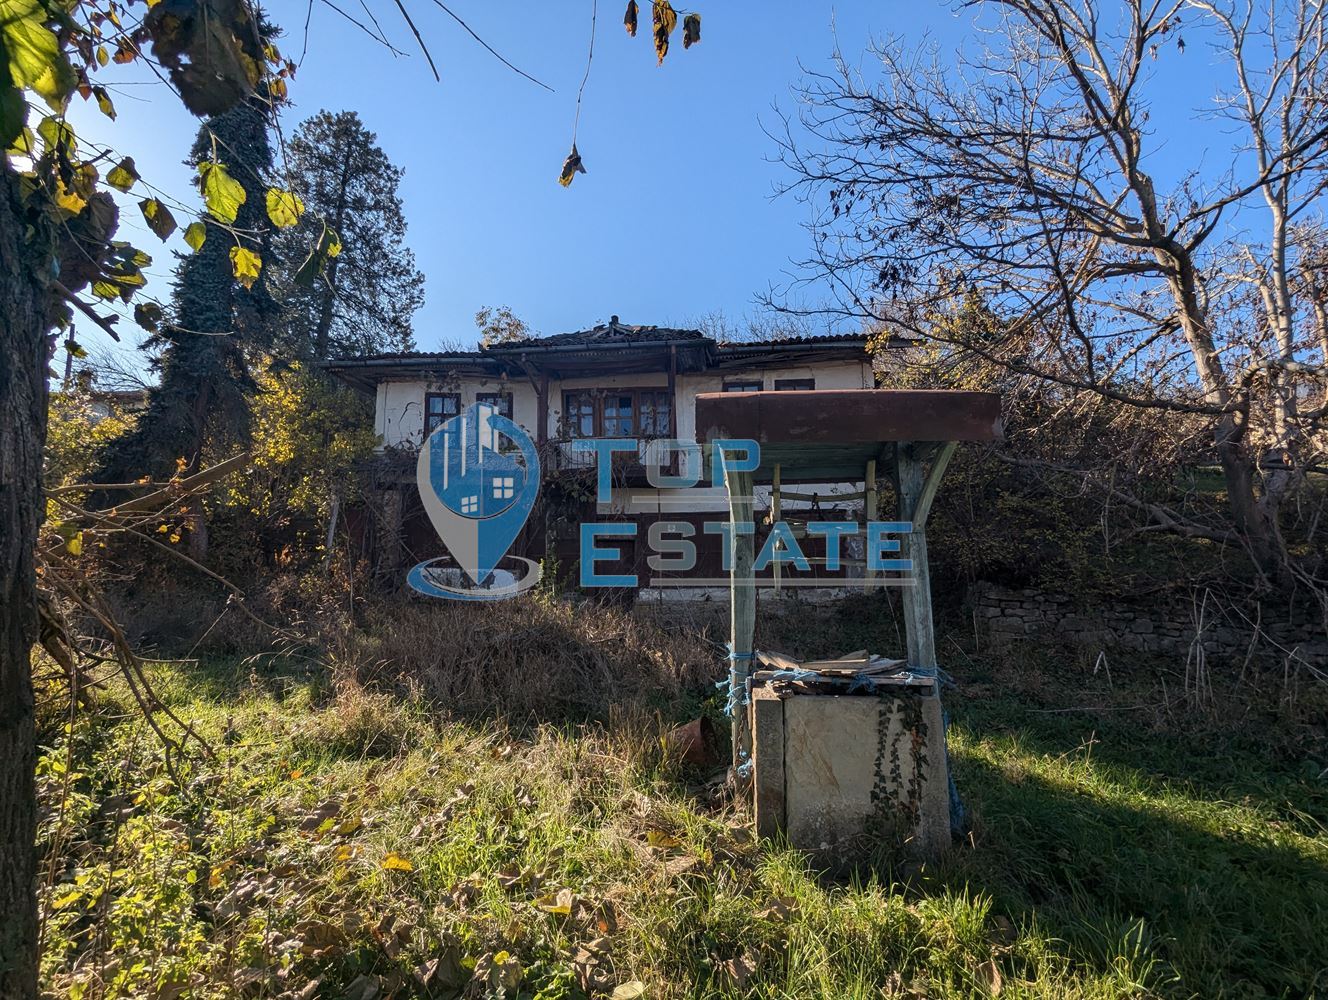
[363,301]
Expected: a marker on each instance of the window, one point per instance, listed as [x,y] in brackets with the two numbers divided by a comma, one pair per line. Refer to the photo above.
[794,384]
[439,407]
[504,487]
[620,415]
[655,409]
[500,401]
[470,505]
[752,385]
[579,414]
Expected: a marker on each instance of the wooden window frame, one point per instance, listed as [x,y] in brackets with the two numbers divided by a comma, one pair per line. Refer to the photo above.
[454,396]
[506,399]
[598,395]
[742,384]
[800,385]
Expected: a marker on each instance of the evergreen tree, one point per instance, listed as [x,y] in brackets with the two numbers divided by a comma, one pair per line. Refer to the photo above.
[201,348]
[363,301]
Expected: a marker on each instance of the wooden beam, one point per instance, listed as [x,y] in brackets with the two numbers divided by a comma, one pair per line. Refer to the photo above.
[933,482]
[742,610]
[919,629]
[870,502]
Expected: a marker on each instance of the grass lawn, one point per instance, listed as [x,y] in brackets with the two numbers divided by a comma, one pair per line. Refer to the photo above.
[347,844]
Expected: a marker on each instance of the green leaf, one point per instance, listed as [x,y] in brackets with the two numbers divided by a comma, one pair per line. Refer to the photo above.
[284,208]
[104,102]
[194,234]
[222,193]
[58,137]
[246,265]
[35,59]
[123,175]
[158,217]
[327,247]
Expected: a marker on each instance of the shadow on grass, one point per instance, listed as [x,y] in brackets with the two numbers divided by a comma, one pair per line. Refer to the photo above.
[1236,908]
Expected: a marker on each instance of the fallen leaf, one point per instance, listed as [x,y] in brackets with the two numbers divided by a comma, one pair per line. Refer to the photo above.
[990,977]
[662,840]
[629,991]
[396,863]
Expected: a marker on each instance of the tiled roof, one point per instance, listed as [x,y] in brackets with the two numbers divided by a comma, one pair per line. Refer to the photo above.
[828,338]
[612,332]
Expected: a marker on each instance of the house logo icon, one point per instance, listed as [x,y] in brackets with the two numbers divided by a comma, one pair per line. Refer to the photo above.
[478,475]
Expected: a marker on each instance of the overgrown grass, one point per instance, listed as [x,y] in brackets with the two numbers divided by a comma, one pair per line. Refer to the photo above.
[344,843]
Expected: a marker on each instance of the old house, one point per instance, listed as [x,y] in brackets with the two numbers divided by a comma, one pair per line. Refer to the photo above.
[612,381]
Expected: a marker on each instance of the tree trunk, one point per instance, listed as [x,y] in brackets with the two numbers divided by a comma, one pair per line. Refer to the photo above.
[330,275]
[23,360]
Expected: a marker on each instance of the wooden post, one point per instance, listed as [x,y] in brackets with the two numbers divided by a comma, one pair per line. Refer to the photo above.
[870,503]
[917,490]
[742,603]
[776,511]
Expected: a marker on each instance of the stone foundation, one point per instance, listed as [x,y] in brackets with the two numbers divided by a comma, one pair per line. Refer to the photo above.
[1167,626]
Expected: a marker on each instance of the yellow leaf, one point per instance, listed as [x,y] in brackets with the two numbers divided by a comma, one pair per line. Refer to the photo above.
[345,852]
[658,838]
[195,233]
[162,529]
[571,167]
[74,544]
[396,863]
[175,538]
[246,266]
[222,193]
[665,19]
[284,208]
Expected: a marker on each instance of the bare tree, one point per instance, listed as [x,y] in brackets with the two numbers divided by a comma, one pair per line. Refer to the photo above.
[1019,173]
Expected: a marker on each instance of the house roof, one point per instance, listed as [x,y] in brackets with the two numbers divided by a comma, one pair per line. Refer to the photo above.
[612,332]
[609,347]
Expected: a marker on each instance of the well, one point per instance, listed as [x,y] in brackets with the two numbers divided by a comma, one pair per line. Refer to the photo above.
[828,765]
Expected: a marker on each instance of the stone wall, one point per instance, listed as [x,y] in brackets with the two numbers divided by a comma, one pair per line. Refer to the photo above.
[1165,625]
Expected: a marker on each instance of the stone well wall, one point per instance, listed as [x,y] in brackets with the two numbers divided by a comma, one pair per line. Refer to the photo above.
[1172,625]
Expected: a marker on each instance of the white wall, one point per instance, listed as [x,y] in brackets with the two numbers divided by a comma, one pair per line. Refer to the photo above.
[399,409]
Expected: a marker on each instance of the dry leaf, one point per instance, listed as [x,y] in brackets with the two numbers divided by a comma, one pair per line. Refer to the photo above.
[691,30]
[571,167]
[740,969]
[665,19]
[990,977]
[629,991]
[779,909]
[629,19]
[662,840]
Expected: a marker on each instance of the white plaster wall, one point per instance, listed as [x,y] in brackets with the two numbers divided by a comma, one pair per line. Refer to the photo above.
[399,408]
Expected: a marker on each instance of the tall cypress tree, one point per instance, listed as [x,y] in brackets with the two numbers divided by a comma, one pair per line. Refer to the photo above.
[202,347]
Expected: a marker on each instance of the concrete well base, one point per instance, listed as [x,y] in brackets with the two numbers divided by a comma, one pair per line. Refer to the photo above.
[840,773]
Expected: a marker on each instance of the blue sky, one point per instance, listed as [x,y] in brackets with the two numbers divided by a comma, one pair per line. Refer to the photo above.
[675,218]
